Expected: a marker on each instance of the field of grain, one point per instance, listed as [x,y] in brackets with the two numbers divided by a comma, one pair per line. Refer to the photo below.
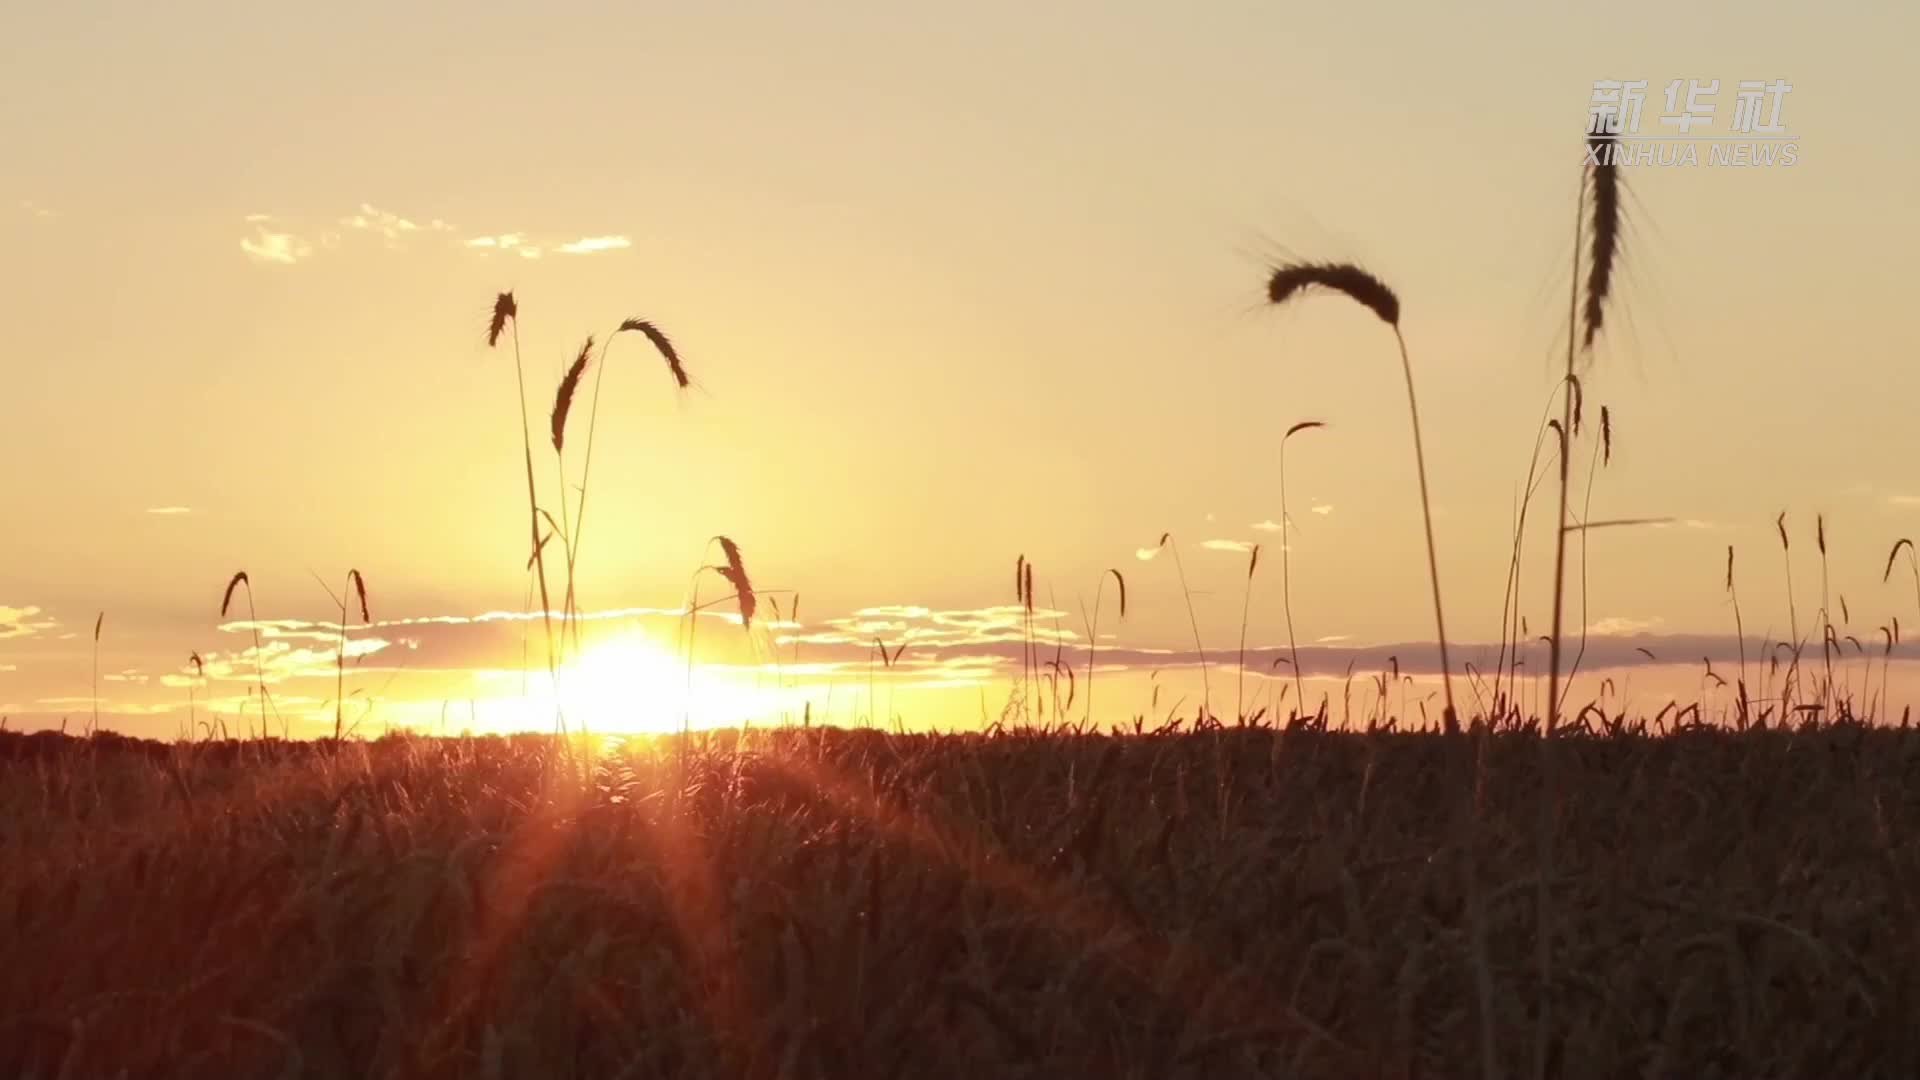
[820,903]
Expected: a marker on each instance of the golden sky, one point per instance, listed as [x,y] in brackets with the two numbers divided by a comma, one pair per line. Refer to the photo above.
[956,285]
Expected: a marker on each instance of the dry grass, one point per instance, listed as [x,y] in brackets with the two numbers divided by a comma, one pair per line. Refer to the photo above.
[824,903]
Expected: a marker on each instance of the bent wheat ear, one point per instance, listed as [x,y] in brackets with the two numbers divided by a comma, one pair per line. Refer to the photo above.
[662,343]
[563,399]
[736,574]
[1604,229]
[1606,435]
[97,624]
[504,308]
[226,601]
[1292,279]
[1122,582]
[1893,554]
[1780,523]
[360,590]
[1304,425]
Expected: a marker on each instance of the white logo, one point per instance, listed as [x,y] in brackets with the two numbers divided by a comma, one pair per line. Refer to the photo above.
[1754,133]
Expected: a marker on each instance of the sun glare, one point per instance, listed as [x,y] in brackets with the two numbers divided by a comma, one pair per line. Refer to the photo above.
[631,684]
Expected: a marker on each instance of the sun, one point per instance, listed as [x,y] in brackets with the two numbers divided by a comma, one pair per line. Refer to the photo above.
[631,684]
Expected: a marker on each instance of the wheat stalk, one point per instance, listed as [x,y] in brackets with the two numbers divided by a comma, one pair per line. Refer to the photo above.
[1286,547]
[1246,606]
[1093,627]
[1206,685]
[665,347]
[253,622]
[1294,279]
[356,588]
[505,310]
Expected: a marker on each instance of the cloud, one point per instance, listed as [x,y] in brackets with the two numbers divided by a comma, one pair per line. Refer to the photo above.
[35,210]
[1333,639]
[1145,554]
[267,246]
[588,245]
[1903,500]
[1623,626]
[1323,509]
[1268,525]
[1240,546]
[386,223]
[19,622]
[1697,524]
[8,667]
[170,511]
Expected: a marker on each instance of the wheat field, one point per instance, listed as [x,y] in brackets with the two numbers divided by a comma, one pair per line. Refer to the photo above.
[1235,902]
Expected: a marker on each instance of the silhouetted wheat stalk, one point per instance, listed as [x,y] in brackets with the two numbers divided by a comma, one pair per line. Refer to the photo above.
[253,623]
[1602,179]
[1200,649]
[356,588]
[1295,279]
[505,310]
[1246,607]
[671,355]
[1790,686]
[1286,562]
[1827,639]
[562,405]
[1093,627]
[1913,563]
[1740,635]
[98,622]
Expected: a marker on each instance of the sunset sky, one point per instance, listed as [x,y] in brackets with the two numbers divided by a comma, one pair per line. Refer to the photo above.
[954,285]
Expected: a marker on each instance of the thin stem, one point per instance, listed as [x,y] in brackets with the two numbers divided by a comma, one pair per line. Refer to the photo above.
[1426,512]
[1286,582]
[533,527]
[1543,943]
[1206,684]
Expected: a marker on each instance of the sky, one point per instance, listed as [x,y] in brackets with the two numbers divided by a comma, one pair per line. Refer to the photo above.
[955,287]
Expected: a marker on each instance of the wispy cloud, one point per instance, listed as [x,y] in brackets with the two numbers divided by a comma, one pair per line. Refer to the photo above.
[1624,626]
[269,246]
[381,222]
[35,210]
[19,622]
[1903,500]
[588,245]
[1145,554]
[170,511]
[1323,509]
[1240,546]
[274,241]
[1268,525]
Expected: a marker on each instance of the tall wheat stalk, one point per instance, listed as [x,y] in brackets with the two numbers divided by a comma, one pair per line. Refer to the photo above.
[668,352]
[1200,649]
[1294,279]
[253,623]
[1093,628]
[1286,561]
[1246,608]
[356,587]
[505,310]
[1740,634]
[98,622]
